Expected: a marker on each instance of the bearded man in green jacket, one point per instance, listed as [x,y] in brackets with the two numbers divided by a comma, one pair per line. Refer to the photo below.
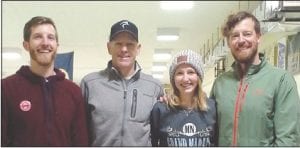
[257,104]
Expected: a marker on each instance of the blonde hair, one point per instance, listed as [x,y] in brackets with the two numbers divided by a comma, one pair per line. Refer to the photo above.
[200,99]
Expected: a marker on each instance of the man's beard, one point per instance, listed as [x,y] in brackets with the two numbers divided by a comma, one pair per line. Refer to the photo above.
[246,59]
[42,60]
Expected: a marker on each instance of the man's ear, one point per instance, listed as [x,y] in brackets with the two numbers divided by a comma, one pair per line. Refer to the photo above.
[26,45]
[108,45]
[259,37]
[139,49]
[227,41]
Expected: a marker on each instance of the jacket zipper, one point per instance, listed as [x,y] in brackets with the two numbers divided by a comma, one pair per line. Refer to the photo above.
[134,102]
[124,110]
[240,99]
[48,109]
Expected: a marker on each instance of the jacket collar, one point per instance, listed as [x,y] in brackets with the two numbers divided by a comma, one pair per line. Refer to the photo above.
[253,69]
[26,72]
[115,74]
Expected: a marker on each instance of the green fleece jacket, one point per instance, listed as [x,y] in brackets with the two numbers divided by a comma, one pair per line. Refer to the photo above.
[261,109]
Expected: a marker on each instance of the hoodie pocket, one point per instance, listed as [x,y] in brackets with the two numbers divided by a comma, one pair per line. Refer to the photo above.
[134,103]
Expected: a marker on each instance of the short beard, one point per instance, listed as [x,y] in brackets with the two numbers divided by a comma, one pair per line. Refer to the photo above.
[246,60]
[42,62]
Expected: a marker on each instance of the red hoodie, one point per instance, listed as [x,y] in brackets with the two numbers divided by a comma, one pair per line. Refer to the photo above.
[42,112]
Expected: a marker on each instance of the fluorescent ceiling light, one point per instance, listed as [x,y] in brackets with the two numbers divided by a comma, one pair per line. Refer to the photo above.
[11,53]
[167,37]
[11,56]
[176,5]
[162,55]
[158,75]
[167,34]
[159,67]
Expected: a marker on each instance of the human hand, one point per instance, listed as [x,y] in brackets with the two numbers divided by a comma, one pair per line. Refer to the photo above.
[163,99]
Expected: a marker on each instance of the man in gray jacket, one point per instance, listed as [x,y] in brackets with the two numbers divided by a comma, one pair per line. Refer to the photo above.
[121,97]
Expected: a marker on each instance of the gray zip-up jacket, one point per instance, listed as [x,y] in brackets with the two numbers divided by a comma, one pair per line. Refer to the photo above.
[119,110]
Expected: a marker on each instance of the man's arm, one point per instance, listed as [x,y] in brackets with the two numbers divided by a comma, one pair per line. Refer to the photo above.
[79,125]
[4,116]
[287,113]
[154,122]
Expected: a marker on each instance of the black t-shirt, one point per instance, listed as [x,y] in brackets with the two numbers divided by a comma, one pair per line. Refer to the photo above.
[180,127]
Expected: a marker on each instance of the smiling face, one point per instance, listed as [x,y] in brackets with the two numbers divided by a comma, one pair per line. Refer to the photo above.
[42,45]
[243,41]
[123,49]
[186,80]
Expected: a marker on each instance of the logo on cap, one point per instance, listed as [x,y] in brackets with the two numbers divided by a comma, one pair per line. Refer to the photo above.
[124,23]
[123,26]
[25,105]
[182,58]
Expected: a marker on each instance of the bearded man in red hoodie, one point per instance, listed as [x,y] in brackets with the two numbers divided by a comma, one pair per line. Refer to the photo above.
[39,107]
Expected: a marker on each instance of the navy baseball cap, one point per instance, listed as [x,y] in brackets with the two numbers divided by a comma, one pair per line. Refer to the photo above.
[124,26]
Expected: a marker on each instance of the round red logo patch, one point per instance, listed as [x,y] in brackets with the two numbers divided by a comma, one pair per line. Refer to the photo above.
[25,105]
